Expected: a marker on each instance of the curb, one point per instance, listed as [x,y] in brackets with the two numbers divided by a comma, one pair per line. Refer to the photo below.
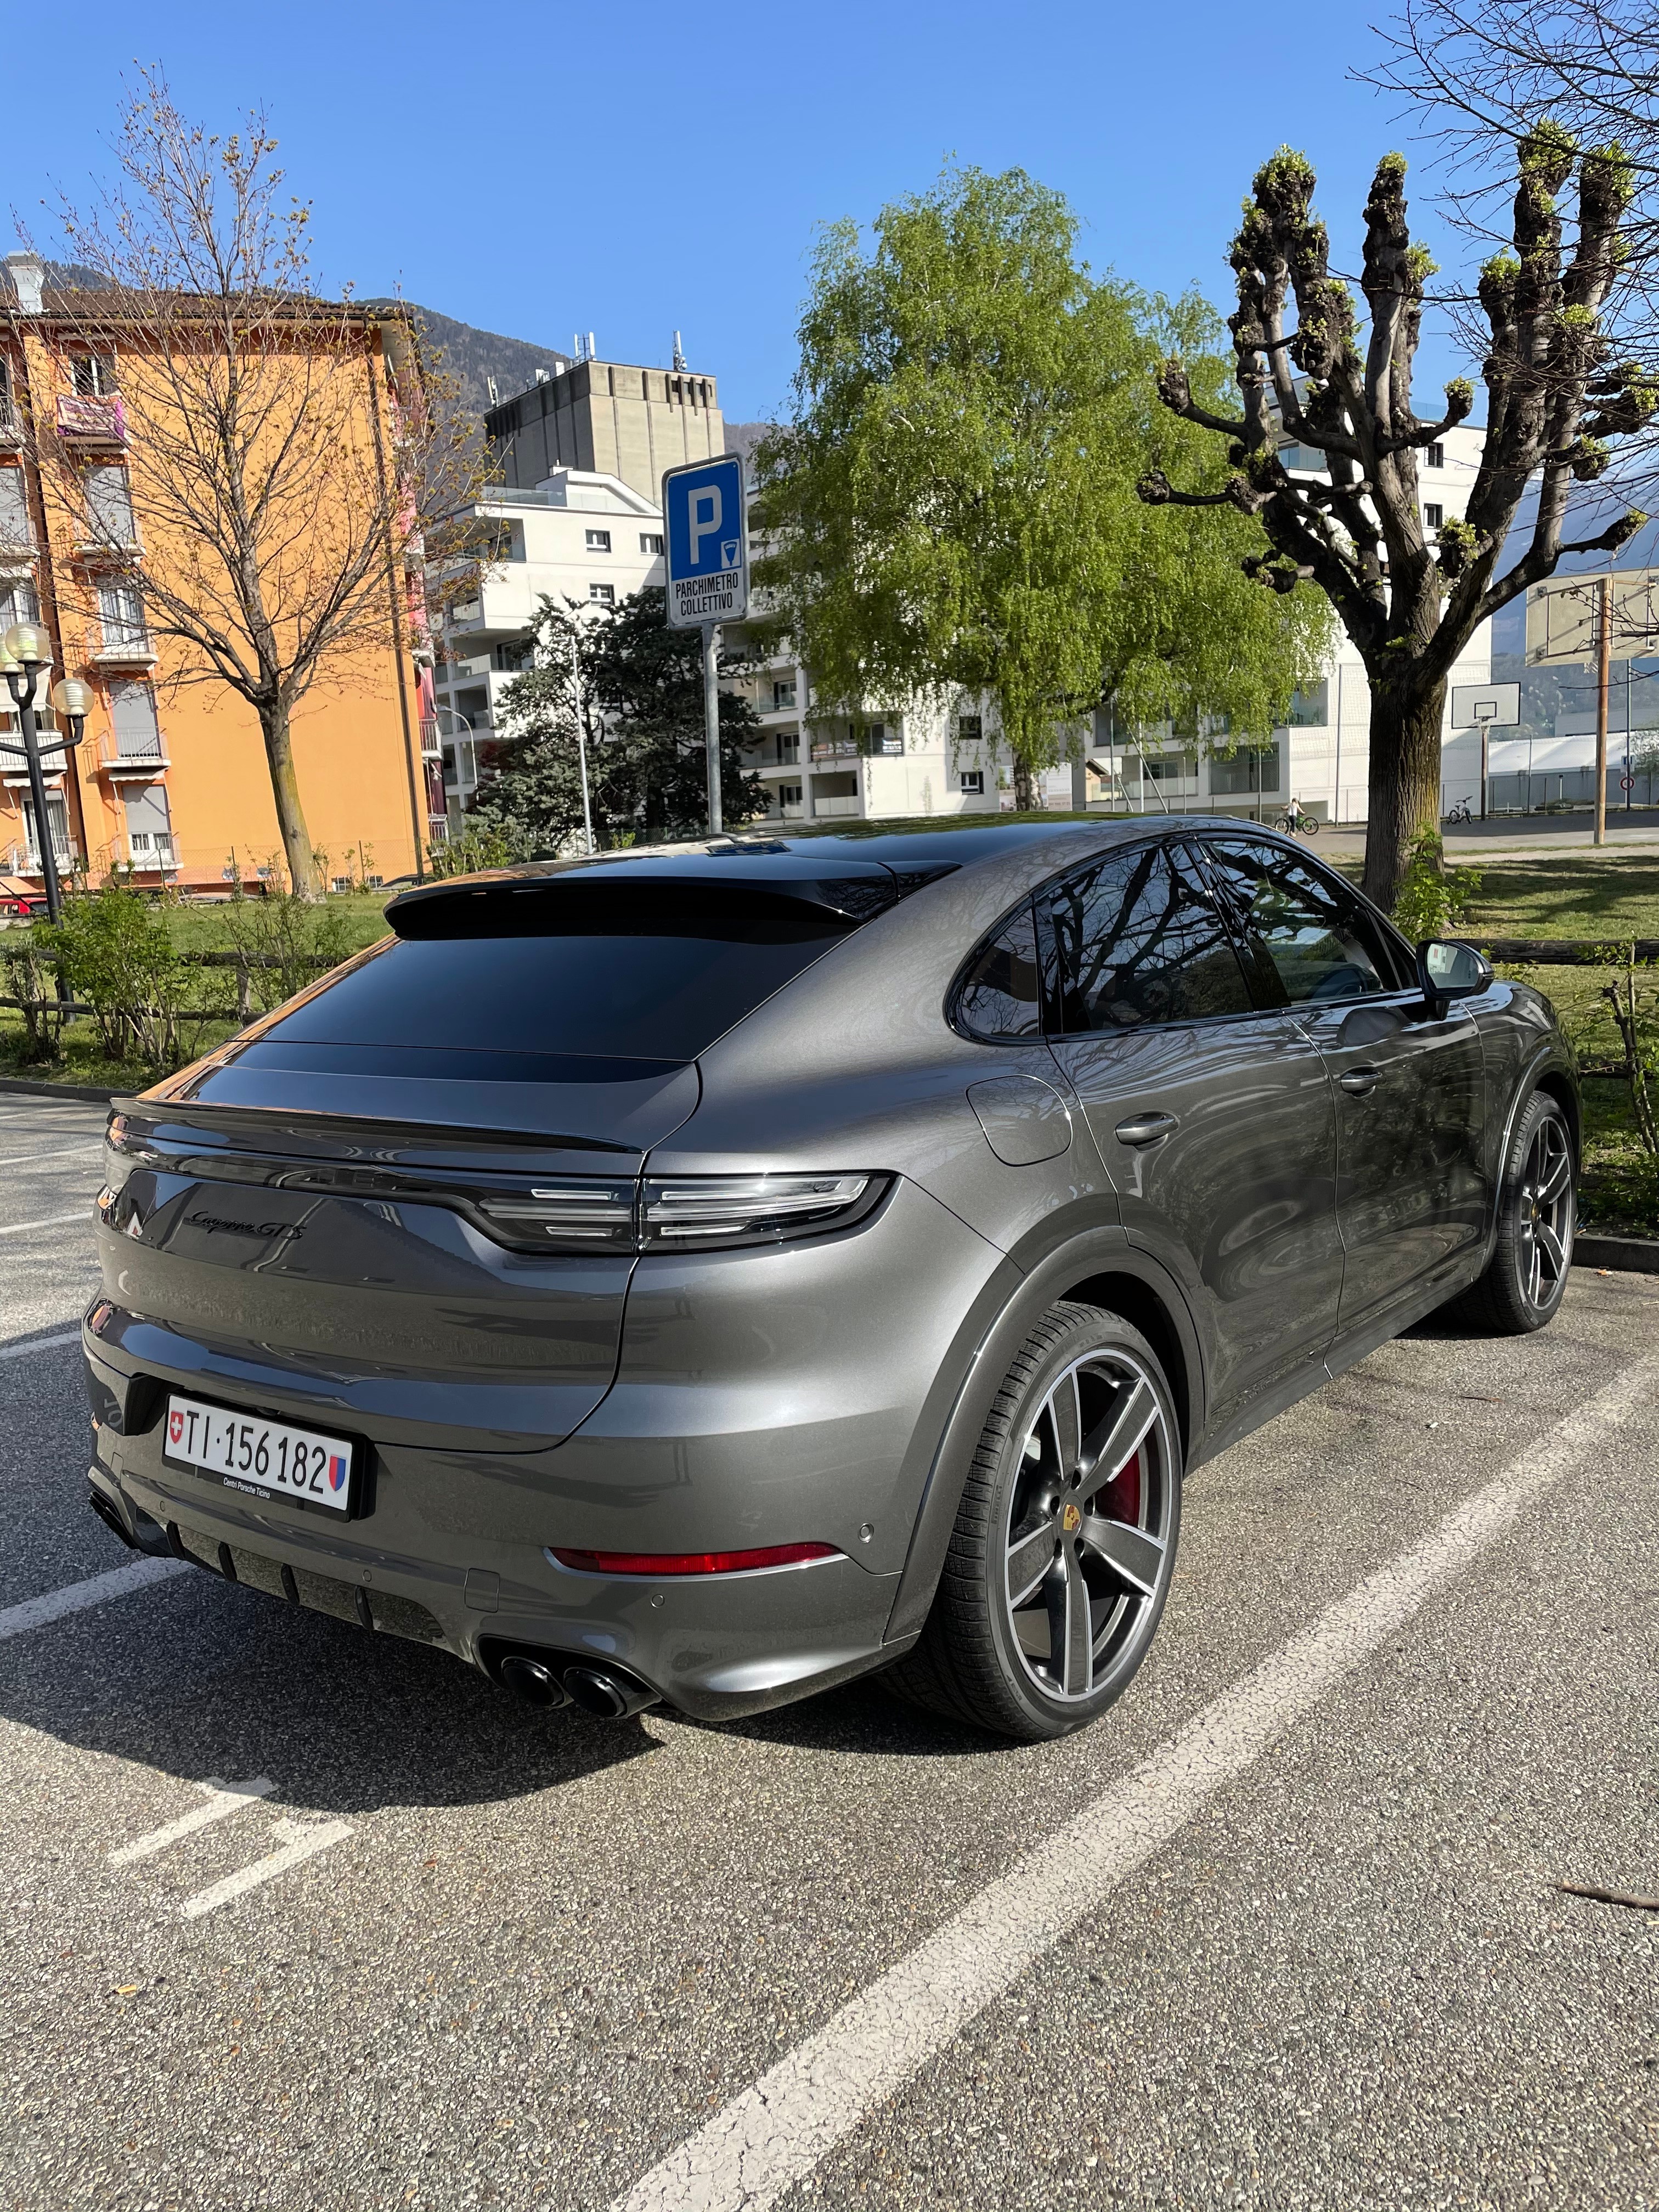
[89,1093]
[1634,1255]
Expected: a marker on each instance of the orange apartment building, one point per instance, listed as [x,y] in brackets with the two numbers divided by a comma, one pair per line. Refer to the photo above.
[171,779]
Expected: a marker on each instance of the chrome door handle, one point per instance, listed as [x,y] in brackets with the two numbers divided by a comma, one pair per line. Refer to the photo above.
[1360,1082]
[1146,1128]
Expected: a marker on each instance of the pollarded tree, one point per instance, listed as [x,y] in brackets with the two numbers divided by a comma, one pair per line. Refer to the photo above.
[1554,398]
[953,509]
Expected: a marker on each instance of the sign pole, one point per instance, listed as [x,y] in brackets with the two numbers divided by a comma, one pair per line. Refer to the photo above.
[711,721]
[581,738]
[1603,647]
[1485,725]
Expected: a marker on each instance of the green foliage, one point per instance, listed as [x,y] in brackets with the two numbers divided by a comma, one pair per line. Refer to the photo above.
[953,509]
[642,714]
[301,936]
[115,953]
[1431,896]
[33,981]
[480,845]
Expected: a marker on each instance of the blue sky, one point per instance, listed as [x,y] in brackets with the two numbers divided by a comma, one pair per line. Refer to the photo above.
[612,168]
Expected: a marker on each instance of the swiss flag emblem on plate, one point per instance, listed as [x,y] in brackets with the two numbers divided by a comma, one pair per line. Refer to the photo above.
[175,1426]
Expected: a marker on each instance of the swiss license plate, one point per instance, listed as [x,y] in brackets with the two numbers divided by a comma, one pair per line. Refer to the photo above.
[264,1458]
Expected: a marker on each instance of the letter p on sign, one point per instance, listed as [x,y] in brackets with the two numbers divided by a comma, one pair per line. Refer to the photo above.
[705,506]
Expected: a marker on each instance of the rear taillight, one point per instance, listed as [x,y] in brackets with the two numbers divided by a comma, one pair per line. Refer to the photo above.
[685,1213]
[694,1212]
[664,1563]
[580,1217]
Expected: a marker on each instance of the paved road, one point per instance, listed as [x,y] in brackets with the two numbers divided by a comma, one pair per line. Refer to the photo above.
[1281,1932]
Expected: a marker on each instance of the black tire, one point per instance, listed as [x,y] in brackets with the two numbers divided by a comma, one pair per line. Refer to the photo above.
[1099,1578]
[1526,1279]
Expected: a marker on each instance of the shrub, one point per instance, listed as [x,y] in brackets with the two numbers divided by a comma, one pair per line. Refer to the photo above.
[34,982]
[1433,896]
[298,937]
[115,953]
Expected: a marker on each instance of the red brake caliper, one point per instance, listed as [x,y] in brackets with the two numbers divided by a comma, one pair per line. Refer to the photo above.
[1122,1493]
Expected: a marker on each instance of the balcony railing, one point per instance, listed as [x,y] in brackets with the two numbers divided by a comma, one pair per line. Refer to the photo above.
[835,749]
[126,645]
[849,805]
[133,756]
[86,419]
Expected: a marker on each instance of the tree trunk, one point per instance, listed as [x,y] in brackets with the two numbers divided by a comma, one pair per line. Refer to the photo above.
[285,791]
[1025,796]
[1405,782]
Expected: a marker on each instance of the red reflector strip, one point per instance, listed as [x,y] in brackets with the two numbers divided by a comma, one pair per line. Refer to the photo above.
[692,1563]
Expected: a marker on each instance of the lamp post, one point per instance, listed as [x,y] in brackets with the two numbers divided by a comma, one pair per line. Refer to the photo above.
[25,656]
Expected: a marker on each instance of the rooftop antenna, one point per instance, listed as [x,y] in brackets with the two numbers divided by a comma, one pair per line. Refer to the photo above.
[593,350]
[489,386]
[576,345]
[679,352]
[541,375]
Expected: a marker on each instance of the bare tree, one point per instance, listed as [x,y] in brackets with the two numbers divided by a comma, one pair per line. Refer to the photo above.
[282,450]
[1555,400]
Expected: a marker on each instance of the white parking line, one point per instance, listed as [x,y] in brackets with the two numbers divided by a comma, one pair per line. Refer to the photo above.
[39,1159]
[223,1799]
[51,1221]
[775,2134]
[97,1589]
[38,1344]
[299,1840]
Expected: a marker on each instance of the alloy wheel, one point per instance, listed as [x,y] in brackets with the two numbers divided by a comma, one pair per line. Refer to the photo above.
[1546,1212]
[1089,1525]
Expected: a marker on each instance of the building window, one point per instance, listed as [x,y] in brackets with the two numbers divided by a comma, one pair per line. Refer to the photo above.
[121,611]
[783,692]
[878,741]
[17,604]
[1435,458]
[518,654]
[1433,515]
[109,506]
[604,595]
[1309,708]
[5,389]
[788,747]
[93,374]
[969,728]
[598,541]
[972,779]
[132,711]
[14,509]
[57,817]
[789,794]
[1248,770]
[651,541]
[150,827]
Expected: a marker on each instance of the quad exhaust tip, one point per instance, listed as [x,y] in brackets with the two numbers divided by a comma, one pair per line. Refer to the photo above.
[609,1692]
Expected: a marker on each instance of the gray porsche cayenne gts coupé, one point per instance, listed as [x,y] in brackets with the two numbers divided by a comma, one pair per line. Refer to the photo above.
[707,1274]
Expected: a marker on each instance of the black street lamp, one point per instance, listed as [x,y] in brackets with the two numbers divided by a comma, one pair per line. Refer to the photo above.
[25,656]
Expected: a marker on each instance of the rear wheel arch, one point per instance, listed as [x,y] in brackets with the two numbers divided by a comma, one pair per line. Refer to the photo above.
[1104,1270]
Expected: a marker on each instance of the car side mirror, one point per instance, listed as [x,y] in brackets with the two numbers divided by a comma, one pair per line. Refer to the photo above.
[1447,969]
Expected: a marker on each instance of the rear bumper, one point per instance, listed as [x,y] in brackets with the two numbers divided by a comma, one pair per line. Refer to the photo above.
[760,1398]
[715,1646]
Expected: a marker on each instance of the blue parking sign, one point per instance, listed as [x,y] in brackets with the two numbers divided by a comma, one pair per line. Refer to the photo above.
[708,533]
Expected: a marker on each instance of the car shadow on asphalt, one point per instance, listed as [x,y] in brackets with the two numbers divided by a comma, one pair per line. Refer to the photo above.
[200,1679]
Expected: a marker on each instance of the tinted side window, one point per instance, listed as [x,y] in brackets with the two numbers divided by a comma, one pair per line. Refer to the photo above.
[1002,997]
[1135,938]
[1320,941]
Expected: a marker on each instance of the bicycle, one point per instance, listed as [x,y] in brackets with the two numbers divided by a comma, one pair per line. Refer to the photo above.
[1298,821]
[1460,814]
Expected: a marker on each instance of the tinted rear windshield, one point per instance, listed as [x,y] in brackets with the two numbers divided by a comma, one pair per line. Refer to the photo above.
[659,993]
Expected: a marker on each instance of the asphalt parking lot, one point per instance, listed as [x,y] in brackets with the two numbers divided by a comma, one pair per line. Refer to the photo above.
[296,1916]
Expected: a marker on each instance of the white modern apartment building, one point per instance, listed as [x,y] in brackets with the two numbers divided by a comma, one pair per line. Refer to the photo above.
[944,757]
[579,536]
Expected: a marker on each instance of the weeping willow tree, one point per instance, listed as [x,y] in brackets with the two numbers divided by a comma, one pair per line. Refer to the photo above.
[952,508]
